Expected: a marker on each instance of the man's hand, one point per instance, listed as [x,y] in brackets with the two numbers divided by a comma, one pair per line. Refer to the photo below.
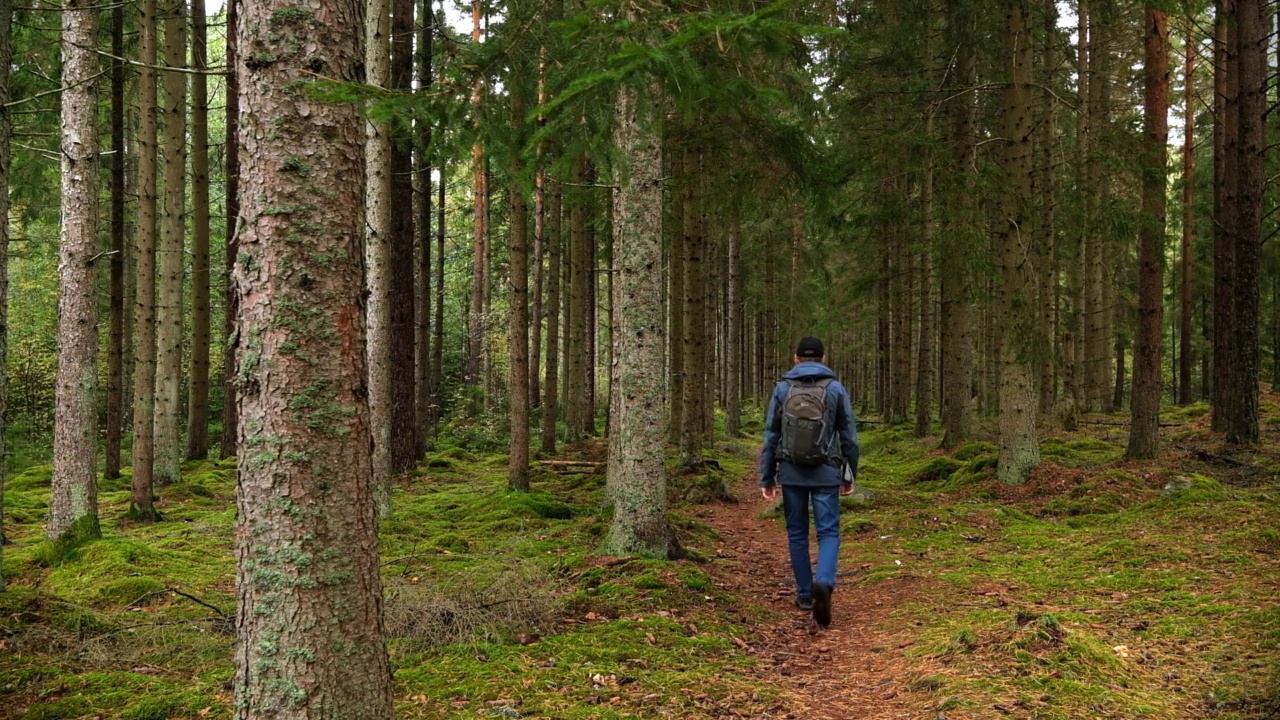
[846,488]
[770,492]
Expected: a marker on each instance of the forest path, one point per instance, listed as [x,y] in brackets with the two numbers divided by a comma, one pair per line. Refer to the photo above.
[855,670]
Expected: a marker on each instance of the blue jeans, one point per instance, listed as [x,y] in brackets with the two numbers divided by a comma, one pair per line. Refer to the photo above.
[826,521]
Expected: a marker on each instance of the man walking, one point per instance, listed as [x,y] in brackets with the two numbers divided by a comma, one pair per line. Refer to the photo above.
[810,437]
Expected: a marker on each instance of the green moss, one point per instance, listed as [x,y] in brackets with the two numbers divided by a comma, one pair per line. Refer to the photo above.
[39,476]
[972,450]
[938,468]
[125,591]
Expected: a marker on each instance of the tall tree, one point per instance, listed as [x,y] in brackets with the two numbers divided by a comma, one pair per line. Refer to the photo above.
[231,165]
[480,214]
[520,15]
[956,286]
[1144,430]
[115,342]
[403,377]
[198,383]
[1241,424]
[310,595]
[169,251]
[422,236]
[1019,448]
[378,254]
[6,136]
[1187,289]
[1226,157]
[550,386]
[73,502]
[142,506]
[638,484]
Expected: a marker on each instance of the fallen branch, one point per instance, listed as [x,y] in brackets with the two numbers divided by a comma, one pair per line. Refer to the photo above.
[1123,424]
[1211,457]
[570,463]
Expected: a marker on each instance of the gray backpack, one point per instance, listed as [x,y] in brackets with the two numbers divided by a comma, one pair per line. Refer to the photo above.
[804,421]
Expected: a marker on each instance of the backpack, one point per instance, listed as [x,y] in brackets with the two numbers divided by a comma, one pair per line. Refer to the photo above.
[804,422]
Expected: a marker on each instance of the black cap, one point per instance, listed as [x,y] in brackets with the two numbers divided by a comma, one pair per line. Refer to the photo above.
[810,347]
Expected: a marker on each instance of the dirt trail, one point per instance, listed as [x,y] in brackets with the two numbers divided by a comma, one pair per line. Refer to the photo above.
[853,671]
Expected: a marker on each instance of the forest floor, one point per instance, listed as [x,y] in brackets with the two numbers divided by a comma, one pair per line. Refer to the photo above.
[1103,588]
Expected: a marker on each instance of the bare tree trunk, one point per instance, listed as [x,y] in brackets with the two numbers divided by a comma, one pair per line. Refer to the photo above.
[144,325]
[1187,294]
[309,619]
[675,293]
[519,13]
[691,403]
[377,206]
[437,345]
[198,402]
[1242,420]
[550,387]
[1019,448]
[227,446]
[73,500]
[576,317]
[1226,141]
[170,254]
[734,355]
[638,484]
[956,293]
[115,348]
[404,420]
[1144,429]
[6,137]
[479,194]
[422,239]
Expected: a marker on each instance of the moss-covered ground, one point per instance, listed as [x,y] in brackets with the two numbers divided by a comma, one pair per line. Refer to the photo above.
[1103,588]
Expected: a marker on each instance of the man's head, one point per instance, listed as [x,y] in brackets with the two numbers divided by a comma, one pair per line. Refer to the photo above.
[809,350]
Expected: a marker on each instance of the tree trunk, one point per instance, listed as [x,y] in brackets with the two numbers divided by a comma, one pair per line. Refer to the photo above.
[310,643]
[198,403]
[479,198]
[73,500]
[675,293]
[377,206]
[227,446]
[1187,293]
[956,308]
[1019,449]
[733,338]
[404,421]
[422,240]
[1226,156]
[519,13]
[144,325]
[1144,429]
[551,389]
[691,403]
[1241,424]
[437,345]
[638,485]
[6,137]
[115,348]
[576,316]
[170,254]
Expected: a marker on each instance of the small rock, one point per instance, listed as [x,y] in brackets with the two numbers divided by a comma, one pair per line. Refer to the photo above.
[1178,484]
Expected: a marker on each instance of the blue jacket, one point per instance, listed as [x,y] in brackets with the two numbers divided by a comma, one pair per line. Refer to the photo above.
[841,428]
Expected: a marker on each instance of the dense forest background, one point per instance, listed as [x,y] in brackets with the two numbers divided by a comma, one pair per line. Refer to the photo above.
[328,242]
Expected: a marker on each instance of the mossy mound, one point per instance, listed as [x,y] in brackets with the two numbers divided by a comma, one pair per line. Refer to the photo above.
[38,476]
[972,450]
[1108,492]
[938,468]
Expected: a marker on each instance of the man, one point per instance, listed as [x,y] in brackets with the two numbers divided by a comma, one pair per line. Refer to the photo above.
[810,439]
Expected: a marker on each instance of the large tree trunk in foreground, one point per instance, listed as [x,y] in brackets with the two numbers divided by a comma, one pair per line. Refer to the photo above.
[310,643]
[1019,448]
[73,501]
[1144,430]
[638,485]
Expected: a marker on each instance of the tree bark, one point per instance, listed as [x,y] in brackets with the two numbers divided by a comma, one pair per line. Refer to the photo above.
[378,255]
[437,345]
[1144,429]
[1019,448]
[227,446]
[403,416]
[115,347]
[1187,293]
[733,338]
[519,13]
[550,387]
[956,294]
[576,316]
[1226,141]
[422,239]
[198,402]
[479,197]
[169,252]
[1241,424]
[310,596]
[694,347]
[73,500]
[675,293]
[142,506]
[638,484]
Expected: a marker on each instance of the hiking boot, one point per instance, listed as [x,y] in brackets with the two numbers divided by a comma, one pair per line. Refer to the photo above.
[822,604]
[804,603]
